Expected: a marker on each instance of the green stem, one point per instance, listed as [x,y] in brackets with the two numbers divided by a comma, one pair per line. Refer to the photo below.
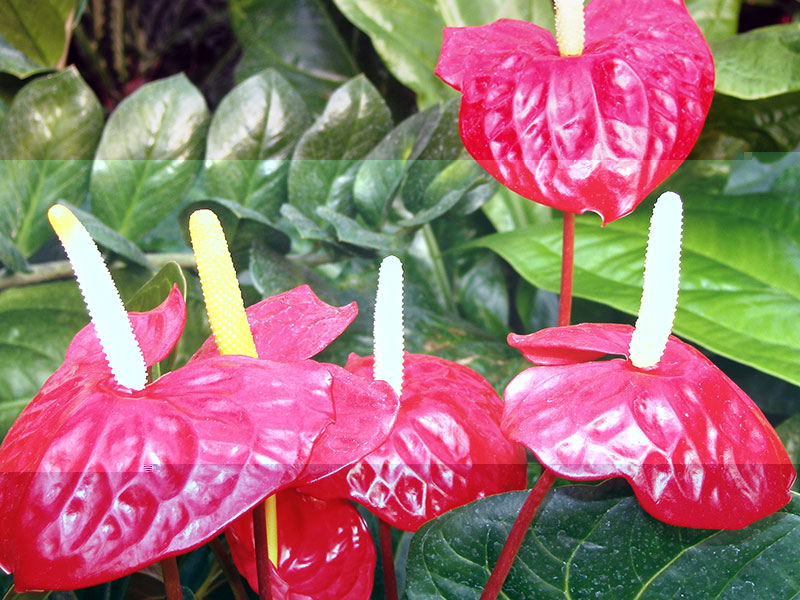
[439,269]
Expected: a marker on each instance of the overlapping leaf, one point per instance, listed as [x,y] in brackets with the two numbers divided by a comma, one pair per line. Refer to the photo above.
[149,155]
[740,277]
[591,542]
[46,140]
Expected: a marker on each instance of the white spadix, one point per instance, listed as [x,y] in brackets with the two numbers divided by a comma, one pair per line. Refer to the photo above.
[662,266]
[387,337]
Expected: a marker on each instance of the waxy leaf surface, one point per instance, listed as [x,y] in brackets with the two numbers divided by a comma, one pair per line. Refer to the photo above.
[593,542]
[695,448]
[596,132]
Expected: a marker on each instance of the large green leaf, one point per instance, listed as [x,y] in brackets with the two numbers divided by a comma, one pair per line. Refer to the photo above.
[46,142]
[298,39]
[589,542]
[36,325]
[734,126]
[250,141]
[37,29]
[328,155]
[718,19]
[740,276]
[408,34]
[760,63]
[149,155]
[16,63]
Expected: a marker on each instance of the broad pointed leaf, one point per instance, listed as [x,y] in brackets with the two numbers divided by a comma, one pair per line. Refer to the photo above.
[149,155]
[46,142]
[590,542]
[740,278]
[250,141]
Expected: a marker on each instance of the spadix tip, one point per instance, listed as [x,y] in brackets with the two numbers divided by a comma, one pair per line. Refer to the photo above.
[62,220]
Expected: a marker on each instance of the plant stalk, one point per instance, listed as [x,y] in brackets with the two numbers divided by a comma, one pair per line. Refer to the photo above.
[567,262]
[262,552]
[387,560]
[231,573]
[172,580]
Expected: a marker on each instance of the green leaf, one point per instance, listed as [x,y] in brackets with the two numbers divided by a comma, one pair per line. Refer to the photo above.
[298,39]
[588,542]
[157,288]
[242,226]
[16,63]
[250,141]
[740,275]
[10,256]
[36,325]
[46,142]
[274,273]
[37,29]
[149,155]
[789,432]
[328,155]
[408,35]
[769,125]
[717,19]
[760,63]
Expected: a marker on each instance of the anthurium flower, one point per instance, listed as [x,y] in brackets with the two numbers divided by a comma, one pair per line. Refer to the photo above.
[446,447]
[98,479]
[696,450]
[308,540]
[583,125]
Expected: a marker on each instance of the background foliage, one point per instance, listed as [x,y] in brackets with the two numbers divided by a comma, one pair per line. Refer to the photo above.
[319,134]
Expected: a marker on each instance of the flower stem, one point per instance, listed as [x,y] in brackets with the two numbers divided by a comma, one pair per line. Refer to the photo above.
[439,270]
[567,262]
[515,537]
[262,552]
[172,580]
[387,560]
[231,574]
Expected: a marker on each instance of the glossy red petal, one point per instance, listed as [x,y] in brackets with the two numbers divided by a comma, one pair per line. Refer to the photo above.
[596,132]
[326,551]
[97,481]
[445,449]
[157,332]
[294,325]
[695,448]
[574,344]
[365,413]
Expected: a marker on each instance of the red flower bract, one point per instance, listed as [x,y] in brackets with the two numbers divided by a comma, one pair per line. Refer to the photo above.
[326,550]
[595,132]
[445,449]
[97,480]
[695,448]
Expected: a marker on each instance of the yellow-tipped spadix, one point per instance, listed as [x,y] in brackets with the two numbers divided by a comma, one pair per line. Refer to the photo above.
[569,27]
[111,322]
[221,291]
[226,315]
[662,266]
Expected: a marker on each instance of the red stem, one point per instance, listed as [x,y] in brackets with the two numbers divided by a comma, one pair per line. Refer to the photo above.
[515,537]
[262,552]
[387,560]
[231,573]
[547,478]
[567,261]
[172,580]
